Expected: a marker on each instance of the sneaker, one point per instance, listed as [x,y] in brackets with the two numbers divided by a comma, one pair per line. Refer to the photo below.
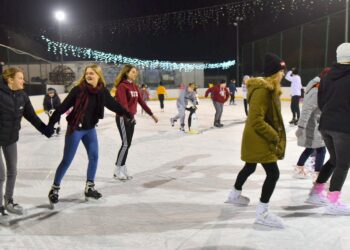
[269,219]
[337,208]
[172,122]
[53,195]
[12,207]
[236,198]
[4,217]
[91,192]
[119,173]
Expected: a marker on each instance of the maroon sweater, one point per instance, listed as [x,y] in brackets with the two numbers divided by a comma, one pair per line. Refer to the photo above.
[128,95]
[218,94]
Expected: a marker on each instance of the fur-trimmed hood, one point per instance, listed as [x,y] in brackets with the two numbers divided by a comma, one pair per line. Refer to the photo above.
[261,82]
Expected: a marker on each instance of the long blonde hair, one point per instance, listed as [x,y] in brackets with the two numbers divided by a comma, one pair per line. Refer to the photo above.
[10,73]
[123,74]
[97,70]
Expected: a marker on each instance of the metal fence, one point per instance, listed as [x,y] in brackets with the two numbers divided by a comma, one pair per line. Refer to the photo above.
[309,47]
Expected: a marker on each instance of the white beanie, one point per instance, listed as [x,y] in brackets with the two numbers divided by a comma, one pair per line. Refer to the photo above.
[343,53]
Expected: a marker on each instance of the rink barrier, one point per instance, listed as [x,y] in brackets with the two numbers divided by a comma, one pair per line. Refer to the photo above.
[37,101]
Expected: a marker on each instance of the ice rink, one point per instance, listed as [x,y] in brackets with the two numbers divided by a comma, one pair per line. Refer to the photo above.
[176,198]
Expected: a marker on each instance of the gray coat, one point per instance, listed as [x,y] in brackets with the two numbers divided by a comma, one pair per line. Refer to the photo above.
[310,117]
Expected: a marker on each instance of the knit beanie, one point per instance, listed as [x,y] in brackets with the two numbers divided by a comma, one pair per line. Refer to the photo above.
[343,53]
[273,64]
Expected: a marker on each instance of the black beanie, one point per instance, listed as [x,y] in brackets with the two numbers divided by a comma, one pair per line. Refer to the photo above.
[273,64]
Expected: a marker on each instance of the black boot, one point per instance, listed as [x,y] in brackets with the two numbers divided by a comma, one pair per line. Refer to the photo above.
[91,192]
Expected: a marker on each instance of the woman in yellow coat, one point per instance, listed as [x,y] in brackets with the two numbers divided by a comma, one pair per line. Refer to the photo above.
[264,138]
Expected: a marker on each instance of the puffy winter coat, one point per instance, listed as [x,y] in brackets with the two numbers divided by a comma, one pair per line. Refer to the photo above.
[310,117]
[14,105]
[264,137]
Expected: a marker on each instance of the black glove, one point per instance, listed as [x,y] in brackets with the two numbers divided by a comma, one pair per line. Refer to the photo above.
[48,131]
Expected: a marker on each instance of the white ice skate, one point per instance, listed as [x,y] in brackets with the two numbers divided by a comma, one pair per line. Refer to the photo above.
[12,207]
[337,208]
[4,217]
[269,219]
[317,199]
[121,173]
[300,173]
[237,199]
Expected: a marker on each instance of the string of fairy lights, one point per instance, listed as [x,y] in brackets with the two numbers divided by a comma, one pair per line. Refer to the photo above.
[87,53]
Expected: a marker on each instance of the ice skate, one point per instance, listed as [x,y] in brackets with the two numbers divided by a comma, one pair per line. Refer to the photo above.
[300,173]
[53,196]
[318,199]
[237,199]
[172,122]
[12,207]
[4,217]
[91,194]
[337,208]
[270,220]
[121,173]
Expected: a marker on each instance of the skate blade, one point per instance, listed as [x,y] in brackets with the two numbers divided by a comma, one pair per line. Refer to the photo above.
[94,200]
[314,203]
[271,225]
[236,204]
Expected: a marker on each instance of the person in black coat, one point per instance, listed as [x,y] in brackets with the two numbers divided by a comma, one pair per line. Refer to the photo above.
[51,102]
[14,104]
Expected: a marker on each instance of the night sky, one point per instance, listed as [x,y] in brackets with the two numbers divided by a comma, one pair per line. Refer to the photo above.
[214,43]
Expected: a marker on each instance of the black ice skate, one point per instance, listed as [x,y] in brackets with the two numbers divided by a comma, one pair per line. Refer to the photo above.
[53,196]
[90,192]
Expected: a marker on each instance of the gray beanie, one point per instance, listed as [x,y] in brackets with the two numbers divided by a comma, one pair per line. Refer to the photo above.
[343,53]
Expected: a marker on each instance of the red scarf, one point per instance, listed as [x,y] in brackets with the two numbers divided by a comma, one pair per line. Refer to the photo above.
[81,104]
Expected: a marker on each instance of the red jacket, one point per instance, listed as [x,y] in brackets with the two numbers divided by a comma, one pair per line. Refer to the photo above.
[218,94]
[128,95]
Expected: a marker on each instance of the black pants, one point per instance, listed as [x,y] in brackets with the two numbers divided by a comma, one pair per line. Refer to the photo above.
[338,145]
[126,131]
[192,111]
[232,100]
[272,175]
[245,106]
[294,106]
[161,100]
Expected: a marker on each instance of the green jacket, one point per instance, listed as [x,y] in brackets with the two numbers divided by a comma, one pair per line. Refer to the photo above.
[264,136]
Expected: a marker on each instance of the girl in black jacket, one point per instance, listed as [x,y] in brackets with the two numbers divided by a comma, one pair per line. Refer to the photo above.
[51,102]
[14,104]
[88,100]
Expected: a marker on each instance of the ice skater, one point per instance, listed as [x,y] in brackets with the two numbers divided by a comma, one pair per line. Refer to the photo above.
[333,101]
[307,133]
[182,101]
[244,93]
[50,103]
[128,95]
[88,100]
[264,129]
[295,89]
[192,109]
[14,105]
[161,92]
[219,95]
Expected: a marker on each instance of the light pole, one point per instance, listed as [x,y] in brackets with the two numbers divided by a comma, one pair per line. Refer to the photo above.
[347,21]
[238,19]
[60,16]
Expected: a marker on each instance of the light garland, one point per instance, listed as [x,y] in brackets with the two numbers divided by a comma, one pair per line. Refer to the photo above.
[86,53]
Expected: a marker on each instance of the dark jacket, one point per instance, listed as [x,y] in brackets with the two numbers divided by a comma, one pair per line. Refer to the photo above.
[51,103]
[93,112]
[14,105]
[334,99]
[264,136]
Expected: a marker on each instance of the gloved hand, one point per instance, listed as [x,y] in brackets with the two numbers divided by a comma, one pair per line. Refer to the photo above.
[299,132]
[131,121]
[48,131]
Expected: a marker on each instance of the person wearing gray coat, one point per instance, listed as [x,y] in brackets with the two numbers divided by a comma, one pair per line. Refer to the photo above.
[307,133]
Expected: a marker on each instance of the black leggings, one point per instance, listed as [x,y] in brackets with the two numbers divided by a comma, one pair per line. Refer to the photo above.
[126,131]
[192,111]
[161,100]
[338,165]
[245,106]
[272,175]
[294,106]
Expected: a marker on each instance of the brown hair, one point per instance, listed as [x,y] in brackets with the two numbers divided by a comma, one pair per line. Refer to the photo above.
[97,70]
[123,74]
[10,73]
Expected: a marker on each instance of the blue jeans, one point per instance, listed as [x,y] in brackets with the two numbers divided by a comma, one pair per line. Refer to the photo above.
[90,142]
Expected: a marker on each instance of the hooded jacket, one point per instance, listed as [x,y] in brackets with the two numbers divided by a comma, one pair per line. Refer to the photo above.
[218,94]
[51,102]
[310,117]
[14,105]
[264,136]
[334,99]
